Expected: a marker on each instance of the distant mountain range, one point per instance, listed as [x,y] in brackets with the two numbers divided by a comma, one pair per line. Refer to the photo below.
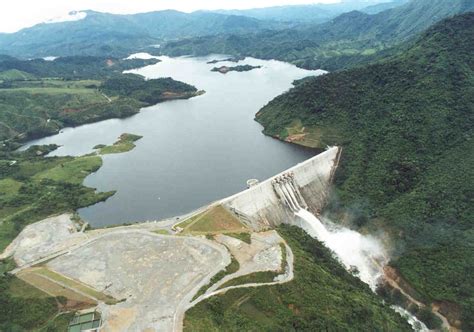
[314,13]
[110,34]
[353,37]
[98,34]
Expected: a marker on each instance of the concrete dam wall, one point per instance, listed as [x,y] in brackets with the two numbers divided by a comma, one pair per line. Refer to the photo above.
[275,200]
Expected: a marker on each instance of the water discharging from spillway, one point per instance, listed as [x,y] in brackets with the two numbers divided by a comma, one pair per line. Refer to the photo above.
[361,254]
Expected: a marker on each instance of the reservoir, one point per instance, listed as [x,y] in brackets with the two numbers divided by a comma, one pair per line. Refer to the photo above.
[193,151]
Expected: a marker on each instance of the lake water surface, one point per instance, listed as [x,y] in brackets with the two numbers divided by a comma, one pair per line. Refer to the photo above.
[193,151]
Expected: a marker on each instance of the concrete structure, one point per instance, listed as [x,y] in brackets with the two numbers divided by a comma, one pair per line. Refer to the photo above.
[309,182]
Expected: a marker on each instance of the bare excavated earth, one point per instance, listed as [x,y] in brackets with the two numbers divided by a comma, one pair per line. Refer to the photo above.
[43,238]
[154,274]
[262,254]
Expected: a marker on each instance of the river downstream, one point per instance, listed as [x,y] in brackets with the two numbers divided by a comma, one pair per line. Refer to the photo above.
[192,151]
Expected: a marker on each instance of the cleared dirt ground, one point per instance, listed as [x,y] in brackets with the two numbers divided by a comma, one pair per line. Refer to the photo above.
[155,274]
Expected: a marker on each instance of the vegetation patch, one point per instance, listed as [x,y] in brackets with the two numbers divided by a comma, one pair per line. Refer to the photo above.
[147,91]
[215,220]
[322,296]
[252,278]
[313,137]
[233,267]
[62,281]
[125,143]
[52,288]
[244,237]
[24,307]
[35,187]
[162,232]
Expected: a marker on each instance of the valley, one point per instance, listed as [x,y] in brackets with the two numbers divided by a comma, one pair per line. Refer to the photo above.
[295,167]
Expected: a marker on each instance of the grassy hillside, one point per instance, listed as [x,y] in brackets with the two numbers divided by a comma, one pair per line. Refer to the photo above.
[406,126]
[322,297]
[33,187]
[75,90]
[349,39]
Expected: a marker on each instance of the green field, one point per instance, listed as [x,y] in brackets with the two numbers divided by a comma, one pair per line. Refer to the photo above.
[215,220]
[73,171]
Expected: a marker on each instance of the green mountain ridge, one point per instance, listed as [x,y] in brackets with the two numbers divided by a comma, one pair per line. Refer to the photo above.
[313,13]
[100,34]
[406,127]
[348,39]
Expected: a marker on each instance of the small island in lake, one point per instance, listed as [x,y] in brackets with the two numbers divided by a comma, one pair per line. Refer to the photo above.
[124,143]
[241,68]
[233,59]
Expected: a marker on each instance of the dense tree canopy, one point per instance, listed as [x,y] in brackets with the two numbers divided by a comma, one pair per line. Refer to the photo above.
[406,129]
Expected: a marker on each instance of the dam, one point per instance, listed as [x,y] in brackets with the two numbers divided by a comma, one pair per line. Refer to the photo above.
[303,187]
[297,197]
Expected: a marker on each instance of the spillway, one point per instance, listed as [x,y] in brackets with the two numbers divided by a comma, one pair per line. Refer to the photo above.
[357,252]
[297,196]
[276,200]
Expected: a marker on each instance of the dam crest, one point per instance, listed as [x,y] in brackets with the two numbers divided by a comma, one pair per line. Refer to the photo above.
[281,198]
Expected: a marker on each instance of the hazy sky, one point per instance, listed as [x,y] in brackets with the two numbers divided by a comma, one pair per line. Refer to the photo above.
[17,14]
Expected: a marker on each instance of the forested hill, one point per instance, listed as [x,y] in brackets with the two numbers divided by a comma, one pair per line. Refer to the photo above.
[314,13]
[348,39]
[406,127]
[107,34]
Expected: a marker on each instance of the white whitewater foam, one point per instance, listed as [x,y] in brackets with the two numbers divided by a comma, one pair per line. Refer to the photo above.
[416,324]
[353,249]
